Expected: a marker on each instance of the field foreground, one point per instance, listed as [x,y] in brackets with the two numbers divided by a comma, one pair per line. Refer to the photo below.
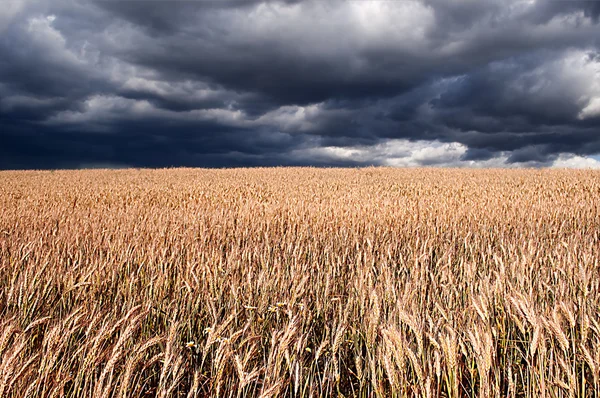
[300,282]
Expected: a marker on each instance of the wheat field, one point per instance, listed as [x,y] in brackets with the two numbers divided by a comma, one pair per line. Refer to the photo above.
[300,283]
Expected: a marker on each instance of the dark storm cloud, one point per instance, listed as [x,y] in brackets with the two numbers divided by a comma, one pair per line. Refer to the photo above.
[142,144]
[550,8]
[248,82]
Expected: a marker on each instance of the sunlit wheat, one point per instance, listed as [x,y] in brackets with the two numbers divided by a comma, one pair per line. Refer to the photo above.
[300,282]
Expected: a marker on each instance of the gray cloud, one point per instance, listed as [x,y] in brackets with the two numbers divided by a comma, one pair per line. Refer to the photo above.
[328,82]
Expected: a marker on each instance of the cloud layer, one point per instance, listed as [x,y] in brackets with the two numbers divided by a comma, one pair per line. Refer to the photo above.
[317,82]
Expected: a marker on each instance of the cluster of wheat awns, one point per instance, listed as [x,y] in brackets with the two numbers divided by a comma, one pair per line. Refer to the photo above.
[303,283]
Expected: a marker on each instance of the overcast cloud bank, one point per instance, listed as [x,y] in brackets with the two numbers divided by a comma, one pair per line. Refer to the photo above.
[468,83]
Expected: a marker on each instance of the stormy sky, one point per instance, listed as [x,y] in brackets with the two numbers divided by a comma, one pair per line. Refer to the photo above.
[230,83]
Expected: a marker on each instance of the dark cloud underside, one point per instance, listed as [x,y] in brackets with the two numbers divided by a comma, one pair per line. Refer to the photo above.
[152,83]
